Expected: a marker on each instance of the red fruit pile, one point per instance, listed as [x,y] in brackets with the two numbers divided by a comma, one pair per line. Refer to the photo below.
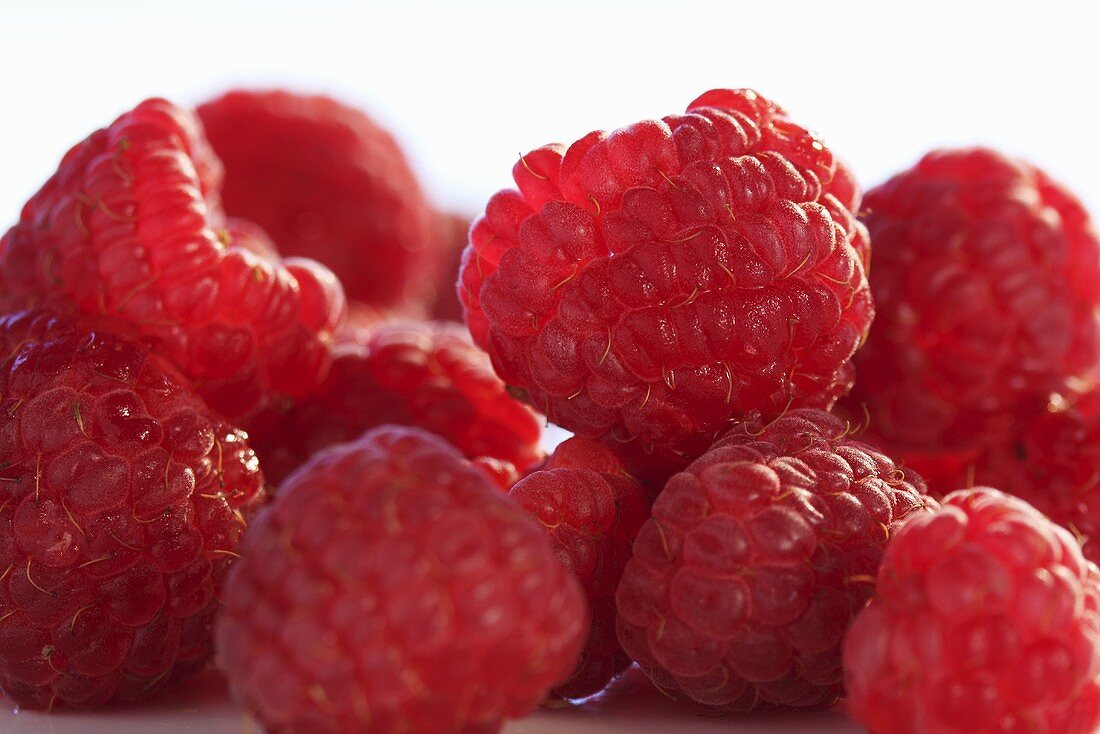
[688,295]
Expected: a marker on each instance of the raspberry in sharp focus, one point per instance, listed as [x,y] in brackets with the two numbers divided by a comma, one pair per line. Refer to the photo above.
[755,560]
[129,226]
[391,588]
[654,282]
[407,373]
[592,510]
[986,283]
[120,511]
[327,182]
[986,619]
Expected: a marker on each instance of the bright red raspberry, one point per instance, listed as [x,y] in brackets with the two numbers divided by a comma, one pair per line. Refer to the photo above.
[986,619]
[655,282]
[129,227]
[592,510]
[391,588]
[406,373]
[453,232]
[120,511]
[986,283]
[327,182]
[755,560]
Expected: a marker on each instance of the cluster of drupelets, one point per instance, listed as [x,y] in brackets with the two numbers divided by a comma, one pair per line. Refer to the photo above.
[197,302]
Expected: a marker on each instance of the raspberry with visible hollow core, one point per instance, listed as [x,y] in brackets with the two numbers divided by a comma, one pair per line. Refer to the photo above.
[654,283]
[121,496]
[391,588]
[755,560]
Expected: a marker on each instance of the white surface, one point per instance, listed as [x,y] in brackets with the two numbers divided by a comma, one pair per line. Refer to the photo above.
[630,706]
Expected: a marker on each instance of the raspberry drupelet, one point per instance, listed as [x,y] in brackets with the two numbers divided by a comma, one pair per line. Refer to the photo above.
[130,226]
[121,499]
[391,588]
[592,510]
[755,560]
[406,373]
[986,619]
[986,285]
[328,182]
[653,283]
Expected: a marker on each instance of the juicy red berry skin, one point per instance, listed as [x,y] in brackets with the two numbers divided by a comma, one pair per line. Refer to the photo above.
[453,233]
[390,587]
[427,375]
[1051,463]
[327,182]
[120,511]
[986,619]
[986,282]
[592,511]
[655,282]
[129,226]
[755,560]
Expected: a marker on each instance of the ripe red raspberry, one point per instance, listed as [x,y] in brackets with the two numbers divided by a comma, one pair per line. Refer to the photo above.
[391,588]
[453,232]
[120,511]
[986,619]
[756,558]
[415,374]
[654,282]
[129,227]
[1051,463]
[592,510]
[986,283]
[327,182]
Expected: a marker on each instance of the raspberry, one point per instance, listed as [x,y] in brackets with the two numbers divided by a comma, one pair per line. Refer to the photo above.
[986,282]
[120,512]
[756,558]
[415,374]
[391,588]
[129,227]
[1051,463]
[986,619]
[655,282]
[453,230]
[592,510]
[327,182]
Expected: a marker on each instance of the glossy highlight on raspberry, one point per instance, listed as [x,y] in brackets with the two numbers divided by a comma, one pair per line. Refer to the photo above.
[653,283]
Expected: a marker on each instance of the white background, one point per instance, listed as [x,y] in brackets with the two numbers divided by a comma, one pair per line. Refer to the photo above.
[468,86]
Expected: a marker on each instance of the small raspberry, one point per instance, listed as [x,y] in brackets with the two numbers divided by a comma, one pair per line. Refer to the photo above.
[986,283]
[391,588]
[120,511]
[655,282]
[592,510]
[986,619]
[327,182]
[129,227]
[453,232]
[415,374]
[756,558]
